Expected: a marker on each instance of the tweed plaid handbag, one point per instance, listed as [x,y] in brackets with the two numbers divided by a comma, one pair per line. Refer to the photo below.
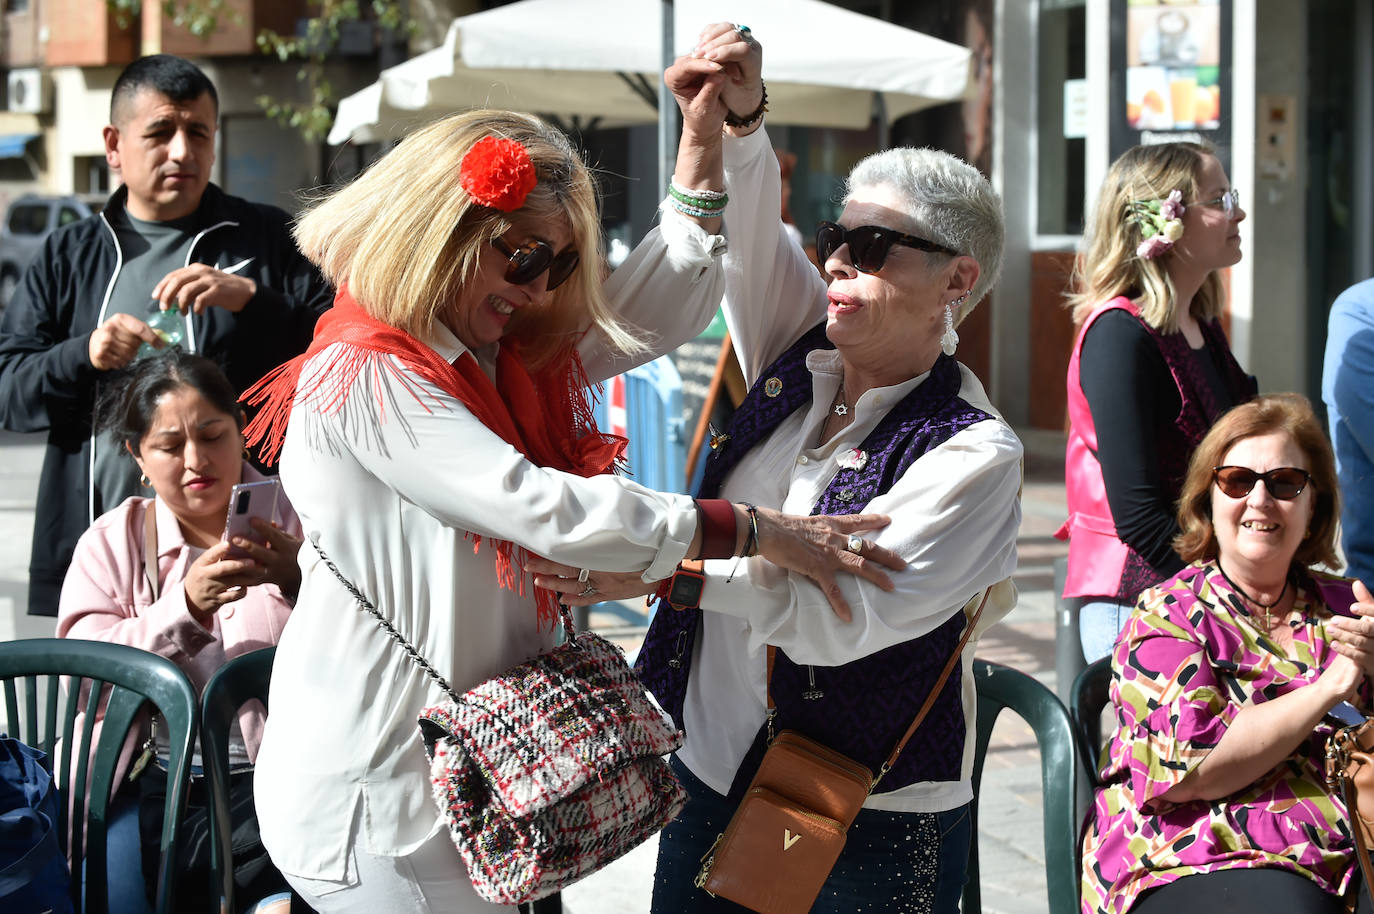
[549,771]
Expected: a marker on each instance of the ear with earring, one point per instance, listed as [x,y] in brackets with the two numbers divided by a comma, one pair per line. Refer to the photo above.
[145,481]
[949,340]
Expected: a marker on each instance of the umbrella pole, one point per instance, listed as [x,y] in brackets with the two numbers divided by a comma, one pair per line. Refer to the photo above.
[667,108]
[880,113]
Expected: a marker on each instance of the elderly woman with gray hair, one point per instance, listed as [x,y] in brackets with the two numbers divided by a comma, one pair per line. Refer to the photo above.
[856,403]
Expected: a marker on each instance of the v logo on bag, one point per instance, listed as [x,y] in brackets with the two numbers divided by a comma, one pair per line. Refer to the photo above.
[789,839]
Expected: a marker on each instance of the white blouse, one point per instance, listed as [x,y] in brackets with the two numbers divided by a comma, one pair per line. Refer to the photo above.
[955,512]
[390,488]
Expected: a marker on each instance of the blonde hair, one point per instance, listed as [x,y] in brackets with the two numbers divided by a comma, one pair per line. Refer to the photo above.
[1292,415]
[1110,266]
[404,236]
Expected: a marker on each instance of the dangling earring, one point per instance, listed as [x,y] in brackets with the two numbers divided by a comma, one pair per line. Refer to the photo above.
[145,481]
[949,340]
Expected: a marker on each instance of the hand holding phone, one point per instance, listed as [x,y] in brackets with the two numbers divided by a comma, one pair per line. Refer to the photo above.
[247,501]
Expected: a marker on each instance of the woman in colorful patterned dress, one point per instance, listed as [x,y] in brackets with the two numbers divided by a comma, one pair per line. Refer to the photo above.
[1215,796]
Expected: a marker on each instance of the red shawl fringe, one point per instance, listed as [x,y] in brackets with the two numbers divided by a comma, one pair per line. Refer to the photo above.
[547,417]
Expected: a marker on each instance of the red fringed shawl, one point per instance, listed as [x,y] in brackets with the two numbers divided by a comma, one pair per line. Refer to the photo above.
[546,416]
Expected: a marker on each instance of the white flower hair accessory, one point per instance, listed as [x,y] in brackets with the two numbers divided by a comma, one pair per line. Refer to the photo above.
[1161,224]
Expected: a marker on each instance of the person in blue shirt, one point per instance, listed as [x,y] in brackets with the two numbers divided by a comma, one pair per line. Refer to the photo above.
[1348,391]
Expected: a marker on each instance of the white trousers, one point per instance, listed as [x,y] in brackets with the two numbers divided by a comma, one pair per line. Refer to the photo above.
[433,878]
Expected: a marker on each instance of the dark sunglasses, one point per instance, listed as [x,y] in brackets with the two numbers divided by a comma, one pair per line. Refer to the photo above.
[531,259]
[1284,483]
[869,244]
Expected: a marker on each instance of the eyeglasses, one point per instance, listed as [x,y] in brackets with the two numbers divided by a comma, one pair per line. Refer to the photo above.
[1285,483]
[1229,202]
[868,244]
[530,260]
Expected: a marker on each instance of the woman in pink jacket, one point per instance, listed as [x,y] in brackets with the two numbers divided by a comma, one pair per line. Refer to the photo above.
[178,418]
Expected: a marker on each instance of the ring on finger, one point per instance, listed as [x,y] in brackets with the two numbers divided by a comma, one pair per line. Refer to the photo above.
[855,544]
[588,590]
[582,575]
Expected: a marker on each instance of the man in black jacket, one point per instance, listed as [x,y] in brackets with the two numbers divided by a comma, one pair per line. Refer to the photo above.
[167,239]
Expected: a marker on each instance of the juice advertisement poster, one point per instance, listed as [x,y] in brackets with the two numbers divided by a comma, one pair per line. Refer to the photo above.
[1171,66]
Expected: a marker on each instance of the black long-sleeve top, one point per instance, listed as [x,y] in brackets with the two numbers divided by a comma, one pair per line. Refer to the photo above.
[1132,394]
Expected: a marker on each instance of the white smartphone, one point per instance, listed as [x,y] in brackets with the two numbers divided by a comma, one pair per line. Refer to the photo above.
[247,501]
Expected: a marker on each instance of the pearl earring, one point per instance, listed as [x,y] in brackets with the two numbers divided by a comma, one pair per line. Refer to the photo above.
[949,340]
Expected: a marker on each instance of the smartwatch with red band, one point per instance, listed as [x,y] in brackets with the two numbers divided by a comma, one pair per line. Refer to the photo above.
[687,584]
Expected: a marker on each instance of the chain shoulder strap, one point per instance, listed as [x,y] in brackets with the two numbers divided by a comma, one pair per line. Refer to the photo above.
[386,626]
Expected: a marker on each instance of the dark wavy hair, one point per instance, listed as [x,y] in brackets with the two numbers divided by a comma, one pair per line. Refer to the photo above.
[128,398]
[1292,415]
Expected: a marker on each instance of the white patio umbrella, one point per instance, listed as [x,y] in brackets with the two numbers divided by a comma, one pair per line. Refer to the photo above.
[602,59]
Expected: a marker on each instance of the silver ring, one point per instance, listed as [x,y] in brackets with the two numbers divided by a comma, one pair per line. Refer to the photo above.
[582,575]
[855,544]
[588,590]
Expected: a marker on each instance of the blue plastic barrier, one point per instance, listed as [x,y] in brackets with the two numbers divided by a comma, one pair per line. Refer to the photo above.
[657,455]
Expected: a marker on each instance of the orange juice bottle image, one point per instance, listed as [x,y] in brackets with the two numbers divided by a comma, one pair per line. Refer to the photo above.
[1183,96]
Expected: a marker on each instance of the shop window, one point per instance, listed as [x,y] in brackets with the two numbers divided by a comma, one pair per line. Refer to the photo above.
[1061,71]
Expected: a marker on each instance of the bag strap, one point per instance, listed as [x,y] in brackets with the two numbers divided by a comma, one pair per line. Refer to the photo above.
[925,708]
[386,625]
[150,547]
[406,646]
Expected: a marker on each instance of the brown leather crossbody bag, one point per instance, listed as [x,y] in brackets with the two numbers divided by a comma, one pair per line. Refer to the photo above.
[790,828]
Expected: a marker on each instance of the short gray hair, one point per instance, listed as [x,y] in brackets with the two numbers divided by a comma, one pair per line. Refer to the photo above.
[948,201]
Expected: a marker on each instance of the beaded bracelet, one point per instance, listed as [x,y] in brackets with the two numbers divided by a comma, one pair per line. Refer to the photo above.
[753,117]
[693,211]
[703,204]
[714,203]
[701,196]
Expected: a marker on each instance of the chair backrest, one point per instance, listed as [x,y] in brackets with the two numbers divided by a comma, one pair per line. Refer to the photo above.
[1003,687]
[242,679]
[122,679]
[1091,693]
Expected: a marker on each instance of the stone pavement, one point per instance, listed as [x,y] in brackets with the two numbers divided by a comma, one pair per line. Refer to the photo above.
[1013,878]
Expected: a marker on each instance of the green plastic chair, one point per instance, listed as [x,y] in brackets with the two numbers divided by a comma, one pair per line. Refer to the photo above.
[1001,687]
[242,679]
[44,717]
[1091,693]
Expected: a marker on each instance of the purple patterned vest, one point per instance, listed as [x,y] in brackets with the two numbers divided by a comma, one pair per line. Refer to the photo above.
[1200,407]
[860,708]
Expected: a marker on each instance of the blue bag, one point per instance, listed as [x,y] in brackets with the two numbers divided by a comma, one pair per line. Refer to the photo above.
[33,867]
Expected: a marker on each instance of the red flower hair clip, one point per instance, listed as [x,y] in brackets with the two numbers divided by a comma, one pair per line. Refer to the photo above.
[498,173]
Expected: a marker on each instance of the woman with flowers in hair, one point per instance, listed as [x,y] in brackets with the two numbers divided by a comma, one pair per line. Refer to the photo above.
[440,435]
[1150,371]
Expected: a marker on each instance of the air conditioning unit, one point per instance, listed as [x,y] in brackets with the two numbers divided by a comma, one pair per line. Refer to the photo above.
[27,91]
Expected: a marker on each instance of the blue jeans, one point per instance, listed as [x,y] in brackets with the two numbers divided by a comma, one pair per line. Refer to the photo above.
[892,861]
[124,857]
[1099,622]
